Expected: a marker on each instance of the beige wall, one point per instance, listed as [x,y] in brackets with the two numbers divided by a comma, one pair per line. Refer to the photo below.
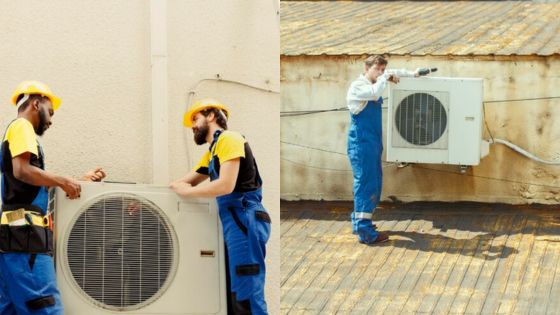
[96,56]
[240,42]
[503,176]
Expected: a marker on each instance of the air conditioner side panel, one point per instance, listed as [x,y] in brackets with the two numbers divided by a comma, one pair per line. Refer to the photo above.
[465,125]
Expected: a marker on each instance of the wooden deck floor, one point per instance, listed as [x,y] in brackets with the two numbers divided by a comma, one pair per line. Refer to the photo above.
[442,258]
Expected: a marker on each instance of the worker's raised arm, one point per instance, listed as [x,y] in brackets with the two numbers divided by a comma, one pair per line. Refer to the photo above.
[402,72]
[35,176]
[362,90]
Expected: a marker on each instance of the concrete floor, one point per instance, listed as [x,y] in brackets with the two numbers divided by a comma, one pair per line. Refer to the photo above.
[442,258]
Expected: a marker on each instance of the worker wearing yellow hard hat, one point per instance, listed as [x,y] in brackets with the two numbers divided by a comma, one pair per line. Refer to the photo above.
[201,105]
[27,275]
[236,184]
[27,88]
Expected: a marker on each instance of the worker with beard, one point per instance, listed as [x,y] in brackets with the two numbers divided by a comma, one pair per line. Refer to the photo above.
[27,275]
[236,184]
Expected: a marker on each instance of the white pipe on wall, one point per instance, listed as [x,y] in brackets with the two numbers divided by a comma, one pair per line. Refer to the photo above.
[160,118]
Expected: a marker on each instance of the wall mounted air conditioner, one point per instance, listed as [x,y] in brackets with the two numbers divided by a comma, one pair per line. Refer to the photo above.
[436,120]
[138,249]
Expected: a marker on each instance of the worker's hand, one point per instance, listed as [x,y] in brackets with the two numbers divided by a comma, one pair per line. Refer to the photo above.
[417,72]
[133,208]
[393,78]
[71,187]
[180,188]
[95,175]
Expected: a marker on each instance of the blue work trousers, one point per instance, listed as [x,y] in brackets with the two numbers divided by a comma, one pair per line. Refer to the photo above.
[246,227]
[365,146]
[28,285]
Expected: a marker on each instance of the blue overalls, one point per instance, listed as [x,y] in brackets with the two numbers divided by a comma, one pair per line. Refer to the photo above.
[365,146]
[27,274]
[246,227]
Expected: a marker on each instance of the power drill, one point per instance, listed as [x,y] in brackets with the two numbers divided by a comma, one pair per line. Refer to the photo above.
[425,71]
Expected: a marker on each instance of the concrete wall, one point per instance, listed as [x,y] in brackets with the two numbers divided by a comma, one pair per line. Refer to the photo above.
[313,149]
[96,56]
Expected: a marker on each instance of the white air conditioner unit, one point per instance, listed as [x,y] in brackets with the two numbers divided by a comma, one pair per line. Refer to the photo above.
[138,249]
[436,120]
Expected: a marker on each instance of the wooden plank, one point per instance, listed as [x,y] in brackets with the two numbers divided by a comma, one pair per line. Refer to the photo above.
[336,271]
[544,283]
[380,253]
[287,220]
[300,281]
[368,263]
[513,284]
[294,252]
[300,228]
[417,241]
[438,285]
[553,305]
[529,280]
[311,280]
[486,276]
[422,284]
[427,242]
[498,284]
[460,252]
[468,283]
[340,288]
[382,269]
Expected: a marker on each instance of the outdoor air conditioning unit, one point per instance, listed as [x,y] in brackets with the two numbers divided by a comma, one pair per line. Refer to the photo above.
[138,249]
[436,120]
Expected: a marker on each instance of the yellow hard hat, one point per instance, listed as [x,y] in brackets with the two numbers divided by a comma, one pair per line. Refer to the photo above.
[201,105]
[35,87]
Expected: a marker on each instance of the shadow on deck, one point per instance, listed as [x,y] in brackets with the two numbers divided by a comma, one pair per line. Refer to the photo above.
[442,258]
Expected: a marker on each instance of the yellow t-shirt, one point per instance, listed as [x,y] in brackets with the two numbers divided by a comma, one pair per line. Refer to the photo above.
[231,145]
[21,137]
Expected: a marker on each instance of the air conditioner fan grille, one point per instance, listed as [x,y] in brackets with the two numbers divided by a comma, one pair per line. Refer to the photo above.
[120,252]
[420,119]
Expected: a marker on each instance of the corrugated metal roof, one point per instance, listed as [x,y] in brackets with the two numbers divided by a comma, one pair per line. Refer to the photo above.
[420,28]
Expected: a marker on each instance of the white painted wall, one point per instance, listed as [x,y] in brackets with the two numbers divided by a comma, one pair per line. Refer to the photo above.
[504,176]
[96,56]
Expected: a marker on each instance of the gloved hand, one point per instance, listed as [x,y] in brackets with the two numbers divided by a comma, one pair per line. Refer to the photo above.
[424,71]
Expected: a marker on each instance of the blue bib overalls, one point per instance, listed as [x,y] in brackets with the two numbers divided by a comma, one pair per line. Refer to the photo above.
[365,146]
[246,227]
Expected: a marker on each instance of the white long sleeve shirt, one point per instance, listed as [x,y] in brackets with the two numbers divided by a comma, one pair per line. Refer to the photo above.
[362,90]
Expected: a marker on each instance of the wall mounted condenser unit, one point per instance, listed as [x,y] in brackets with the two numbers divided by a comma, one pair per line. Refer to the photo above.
[436,120]
[138,249]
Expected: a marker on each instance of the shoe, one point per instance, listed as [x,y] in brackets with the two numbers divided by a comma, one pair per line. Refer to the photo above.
[380,238]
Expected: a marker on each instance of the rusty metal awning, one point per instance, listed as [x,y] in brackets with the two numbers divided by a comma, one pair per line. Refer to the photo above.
[420,28]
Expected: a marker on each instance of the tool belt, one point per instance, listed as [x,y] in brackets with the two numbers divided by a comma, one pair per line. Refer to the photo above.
[25,231]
